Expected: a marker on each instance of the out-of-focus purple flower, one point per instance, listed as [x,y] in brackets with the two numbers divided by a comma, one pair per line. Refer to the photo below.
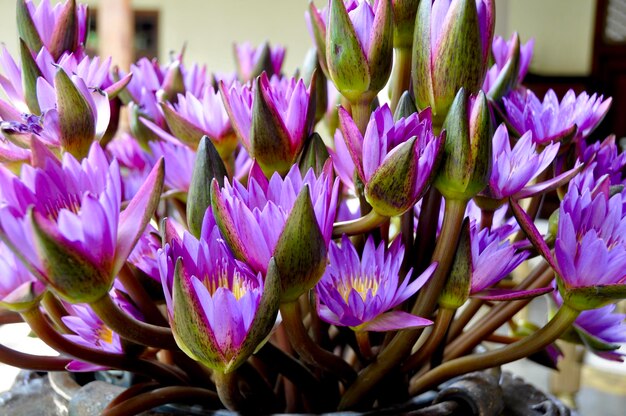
[574,117]
[590,247]
[605,158]
[513,170]
[284,120]
[360,292]
[442,28]
[375,157]
[144,255]
[606,326]
[259,212]
[218,308]
[179,162]
[61,29]
[19,289]
[135,163]
[63,219]
[511,62]
[251,61]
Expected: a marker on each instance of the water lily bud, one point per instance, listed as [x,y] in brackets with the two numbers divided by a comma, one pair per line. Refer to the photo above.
[467,160]
[300,253]
[314,155]
[138,129]
[76,117]
[442,30]
[359,47]
[65,35]
[404,12]
[30,74]
[508,77]
[252,62]
[173,83]
[26,27]
[406,106]
[208,165]
[312,68]
[458,286]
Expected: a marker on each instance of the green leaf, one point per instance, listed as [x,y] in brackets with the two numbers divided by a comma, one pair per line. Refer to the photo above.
[26,27]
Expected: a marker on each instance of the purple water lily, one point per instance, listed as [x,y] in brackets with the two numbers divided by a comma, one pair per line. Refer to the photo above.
[250,63]
[374,155]
[360,292]
[64,221]
[259,212]
[18,287]
[285,119]
[504,52]
[218,308]
[550,120]
[179,162]
[605,325]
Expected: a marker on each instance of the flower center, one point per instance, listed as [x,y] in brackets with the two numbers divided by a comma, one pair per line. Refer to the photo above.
[361,284]
[230,278]
[105,335]
[52,207]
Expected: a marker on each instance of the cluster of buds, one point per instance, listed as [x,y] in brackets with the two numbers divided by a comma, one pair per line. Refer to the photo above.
[256,249]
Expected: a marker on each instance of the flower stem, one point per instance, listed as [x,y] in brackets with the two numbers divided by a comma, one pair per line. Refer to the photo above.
[442,322]
[130,328]
[401,76]
[9,317]
[32,362]
[402,343]
[499,315]
[55,311]
[291,368]
[40,326]
[359,226]
[140,297]
[309,351]
[176,394]
[365,347]
[361,111]
[468,313]
[228,391]
[563,319]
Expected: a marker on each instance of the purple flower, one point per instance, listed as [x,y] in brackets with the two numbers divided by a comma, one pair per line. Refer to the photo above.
[605,325]
[18,287]
[493,256]
[604,158]
[503,52]
[63,219]
[513,170]
[359,292]
[51,23]
[192,116]
[144,255]
[285,117]
[218,308]
[259,212]
[375,156]
[250,60]
[179,162]
[551,120]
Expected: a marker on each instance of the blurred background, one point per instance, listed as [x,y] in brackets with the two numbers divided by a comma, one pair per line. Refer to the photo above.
[579,44]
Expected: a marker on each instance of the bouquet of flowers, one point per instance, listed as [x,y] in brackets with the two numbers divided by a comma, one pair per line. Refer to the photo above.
[268,243]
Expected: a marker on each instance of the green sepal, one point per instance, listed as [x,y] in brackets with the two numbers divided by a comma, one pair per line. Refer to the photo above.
[314,155]
[406,106]
[225,222]
[466,164]
[26,27]
[65,35]
[24,298]
[380,55]
[346,60]
[264,320]
[173,83]
[453,70]
[507,78]
[76,118]
[269,138]
[390,190]
[458,286]
[590,297]
[313,75]
[593,343]
[319,36]
[300,252]
[404,12]
[208,165]
[68,272]
[30,73]
[421,74]
[181,128]
[263,64]
[191,331]
[138,129]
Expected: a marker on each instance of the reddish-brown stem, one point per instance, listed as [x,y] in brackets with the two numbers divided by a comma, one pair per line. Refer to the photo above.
[25,361]
[165,395]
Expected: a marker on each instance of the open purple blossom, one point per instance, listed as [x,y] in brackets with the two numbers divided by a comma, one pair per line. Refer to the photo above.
[605,325]
[50,23]
[551,120]
[513,169]
[249,60]
[360,292]
[493,258]
[605,158]
[502,51]
[259,212]
[144,254]
[590,248]
[72,209]
[179,162]
[374,153]
[289,103]
[212,299]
